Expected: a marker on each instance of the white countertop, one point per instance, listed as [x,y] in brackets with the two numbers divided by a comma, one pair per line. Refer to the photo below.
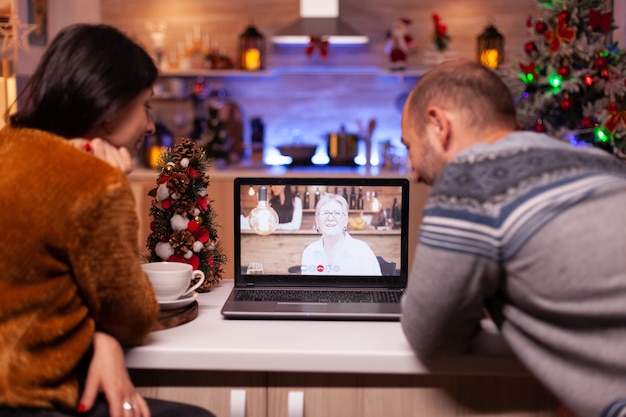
[213,343]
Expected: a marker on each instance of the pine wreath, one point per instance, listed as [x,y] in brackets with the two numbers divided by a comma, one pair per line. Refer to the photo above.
[183,226]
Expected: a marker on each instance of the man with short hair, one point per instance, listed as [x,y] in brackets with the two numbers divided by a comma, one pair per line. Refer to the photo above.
[523,226]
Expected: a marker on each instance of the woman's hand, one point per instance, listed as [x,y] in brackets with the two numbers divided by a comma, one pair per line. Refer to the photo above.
[107,374]
[118,157]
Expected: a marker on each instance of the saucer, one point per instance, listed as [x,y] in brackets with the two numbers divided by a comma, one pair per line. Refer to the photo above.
[181,302]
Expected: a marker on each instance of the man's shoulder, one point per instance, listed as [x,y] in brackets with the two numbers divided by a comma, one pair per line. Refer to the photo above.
[516,164]
[491,202]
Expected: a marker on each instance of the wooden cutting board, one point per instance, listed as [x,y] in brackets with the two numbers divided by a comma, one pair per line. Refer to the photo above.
[177,316]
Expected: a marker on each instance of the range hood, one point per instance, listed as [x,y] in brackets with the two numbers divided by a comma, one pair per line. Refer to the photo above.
[319,18]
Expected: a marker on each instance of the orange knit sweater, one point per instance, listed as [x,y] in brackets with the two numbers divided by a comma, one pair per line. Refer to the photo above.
[68,265]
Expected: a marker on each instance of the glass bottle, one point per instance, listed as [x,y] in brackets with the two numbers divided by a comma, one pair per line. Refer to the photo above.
[352,199]
[305,203]
[395,212]
[359,199]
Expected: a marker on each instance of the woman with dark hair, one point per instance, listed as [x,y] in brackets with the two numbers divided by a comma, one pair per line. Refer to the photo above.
[72,290]
[288,207]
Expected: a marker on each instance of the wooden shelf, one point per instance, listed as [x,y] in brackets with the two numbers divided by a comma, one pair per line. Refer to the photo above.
[298,70]
[218,73]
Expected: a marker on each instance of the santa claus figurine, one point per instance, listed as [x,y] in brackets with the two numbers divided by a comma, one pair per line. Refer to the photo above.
[399,44]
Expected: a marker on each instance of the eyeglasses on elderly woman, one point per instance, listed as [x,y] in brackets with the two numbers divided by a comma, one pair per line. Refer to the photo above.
[326,214]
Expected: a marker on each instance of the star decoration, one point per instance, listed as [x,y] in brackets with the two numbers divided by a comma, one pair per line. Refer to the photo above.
[15,34]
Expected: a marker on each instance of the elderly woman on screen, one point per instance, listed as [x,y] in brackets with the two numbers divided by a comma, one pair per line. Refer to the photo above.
[336,252]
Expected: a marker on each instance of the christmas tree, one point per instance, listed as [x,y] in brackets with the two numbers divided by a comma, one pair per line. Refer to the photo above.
[573,75]
[183,227]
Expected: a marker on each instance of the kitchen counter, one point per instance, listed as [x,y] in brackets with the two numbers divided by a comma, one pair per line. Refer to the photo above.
[211,342]
[284,368]
[255,169]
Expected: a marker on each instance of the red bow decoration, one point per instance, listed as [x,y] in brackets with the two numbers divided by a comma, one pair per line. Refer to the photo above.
[318,42]
[440,28]
[616,117]
[530,68]
[600,20]
[561,33]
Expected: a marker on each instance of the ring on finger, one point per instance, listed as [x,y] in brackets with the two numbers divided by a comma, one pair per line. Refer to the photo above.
[128,406]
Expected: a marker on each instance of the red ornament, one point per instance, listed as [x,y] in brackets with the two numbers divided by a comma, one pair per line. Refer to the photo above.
[600,62]
[565,104]
[563,71]
[202,234]
[564,16]
[203,203]
[192,226]
[541,27]
[586,122]
[589,80]
[612,107]
[539,127]
[530,47]
[193,173]
[194,261]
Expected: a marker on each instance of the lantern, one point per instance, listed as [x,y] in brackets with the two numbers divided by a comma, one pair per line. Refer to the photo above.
[251,50]
[490,48]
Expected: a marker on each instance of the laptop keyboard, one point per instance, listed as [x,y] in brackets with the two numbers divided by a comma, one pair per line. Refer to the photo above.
[319,296]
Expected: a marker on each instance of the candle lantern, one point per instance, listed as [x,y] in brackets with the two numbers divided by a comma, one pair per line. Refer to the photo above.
[490,48]
[251,49]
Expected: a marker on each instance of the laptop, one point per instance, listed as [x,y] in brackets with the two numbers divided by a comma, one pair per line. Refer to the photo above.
[339,250]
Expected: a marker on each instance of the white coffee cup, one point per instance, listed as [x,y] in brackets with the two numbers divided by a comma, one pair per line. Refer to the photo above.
[172,280]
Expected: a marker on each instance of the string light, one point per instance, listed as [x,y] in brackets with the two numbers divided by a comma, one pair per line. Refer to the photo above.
[602,134]
[555,80]
[528,78]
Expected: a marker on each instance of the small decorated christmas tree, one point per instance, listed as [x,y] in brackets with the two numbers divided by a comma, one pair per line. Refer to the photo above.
[183,227]
[573,76]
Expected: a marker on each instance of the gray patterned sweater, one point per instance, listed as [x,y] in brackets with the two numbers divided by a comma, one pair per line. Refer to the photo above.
[534,230]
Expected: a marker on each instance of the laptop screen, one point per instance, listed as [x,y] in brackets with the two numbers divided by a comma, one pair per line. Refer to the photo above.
[333,231]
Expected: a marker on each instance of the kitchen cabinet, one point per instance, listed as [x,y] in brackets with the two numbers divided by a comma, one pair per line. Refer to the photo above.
[347,395]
